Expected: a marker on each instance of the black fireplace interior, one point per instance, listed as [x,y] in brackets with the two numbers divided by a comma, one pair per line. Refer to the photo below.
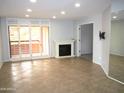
[65,50]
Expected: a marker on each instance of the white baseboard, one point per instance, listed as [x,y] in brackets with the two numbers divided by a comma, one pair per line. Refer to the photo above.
[6,60]
[65,56]
[115,80]
[1,65]
[27,59]
[111,77]
[117,54]
[96,63]
[106,73]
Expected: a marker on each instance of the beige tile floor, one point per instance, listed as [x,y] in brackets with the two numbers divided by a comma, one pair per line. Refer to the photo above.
[71,75]
[116,67]
[87,56]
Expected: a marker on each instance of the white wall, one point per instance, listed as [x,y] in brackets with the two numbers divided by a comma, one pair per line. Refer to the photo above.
[106,27]
[0,46]
[117,37]
[59,30]
[5,40]
[100,47]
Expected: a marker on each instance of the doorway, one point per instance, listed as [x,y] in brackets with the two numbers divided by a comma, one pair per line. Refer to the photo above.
[28,42]
[86,40]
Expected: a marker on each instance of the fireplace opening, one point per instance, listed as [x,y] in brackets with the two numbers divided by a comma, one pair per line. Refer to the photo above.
[65,50]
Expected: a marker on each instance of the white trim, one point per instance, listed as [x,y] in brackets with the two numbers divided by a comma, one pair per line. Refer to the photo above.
[1,64]
[66,56]
[110,76]
[64,42]
[116,54]
[78,40]
[6,60]
[115,80]
[17,60]
[106,73]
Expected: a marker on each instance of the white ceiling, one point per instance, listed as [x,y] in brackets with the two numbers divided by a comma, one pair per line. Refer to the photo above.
[119,14]
[49,8]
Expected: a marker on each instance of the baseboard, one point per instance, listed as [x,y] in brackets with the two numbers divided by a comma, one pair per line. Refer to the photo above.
[106,73]
[96,63]
[6,60]
[65,56]
[111,77]
[115,79]
[38,58]
[116,54]
[1,63]
[101,67]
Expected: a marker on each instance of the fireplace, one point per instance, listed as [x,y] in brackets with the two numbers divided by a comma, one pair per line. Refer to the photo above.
[64,48]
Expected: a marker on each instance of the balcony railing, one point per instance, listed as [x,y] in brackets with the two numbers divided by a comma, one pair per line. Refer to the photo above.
[25,47]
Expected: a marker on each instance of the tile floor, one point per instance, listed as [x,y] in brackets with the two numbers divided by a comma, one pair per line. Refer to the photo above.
[71,75]
[116,67]
[87,56]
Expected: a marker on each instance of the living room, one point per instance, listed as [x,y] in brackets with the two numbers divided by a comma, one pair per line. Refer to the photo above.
[41,46]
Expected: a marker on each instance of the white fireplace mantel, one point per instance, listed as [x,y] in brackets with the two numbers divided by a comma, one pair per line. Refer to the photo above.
[64,42]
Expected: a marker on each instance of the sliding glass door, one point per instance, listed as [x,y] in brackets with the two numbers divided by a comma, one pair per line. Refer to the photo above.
[28,41]
[36,41]
[14,42]
[24,41]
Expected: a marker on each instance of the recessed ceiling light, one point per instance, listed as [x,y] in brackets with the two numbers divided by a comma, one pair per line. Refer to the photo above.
[29,10]
[63,12]
[33,1]
[114,17]
[77,5]
[27,16]
[54,17]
